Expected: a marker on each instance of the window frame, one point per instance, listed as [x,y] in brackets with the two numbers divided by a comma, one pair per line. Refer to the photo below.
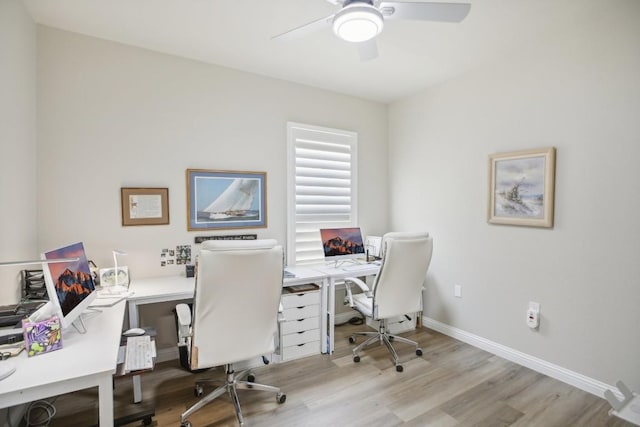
[323,135]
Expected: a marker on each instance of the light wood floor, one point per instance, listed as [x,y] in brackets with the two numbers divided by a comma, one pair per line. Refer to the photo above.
[452,384]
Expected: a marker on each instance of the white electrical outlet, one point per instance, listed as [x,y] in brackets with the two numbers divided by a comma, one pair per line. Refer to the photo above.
[457,291]
[533,315]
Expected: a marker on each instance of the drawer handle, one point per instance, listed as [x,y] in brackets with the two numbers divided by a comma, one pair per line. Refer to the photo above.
[300,320]
[300,345]
[301,332]
[301,307]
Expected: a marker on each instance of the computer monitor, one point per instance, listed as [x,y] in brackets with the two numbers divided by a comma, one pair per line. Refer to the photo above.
[342,243]
[69,284]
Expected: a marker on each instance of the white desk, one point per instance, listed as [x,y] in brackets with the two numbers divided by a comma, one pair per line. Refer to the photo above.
[150,291]
[176,288]
[333,275]
[157,289]
[85,360]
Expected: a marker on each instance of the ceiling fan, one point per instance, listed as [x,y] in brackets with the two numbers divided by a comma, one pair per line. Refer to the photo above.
[360,21]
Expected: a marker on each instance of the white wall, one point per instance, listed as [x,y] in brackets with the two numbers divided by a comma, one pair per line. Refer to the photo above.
[18,240]
[113,116]
[17,144]
[577,90]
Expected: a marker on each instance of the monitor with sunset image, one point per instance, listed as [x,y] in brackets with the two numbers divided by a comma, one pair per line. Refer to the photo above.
[70,284]
[342,243]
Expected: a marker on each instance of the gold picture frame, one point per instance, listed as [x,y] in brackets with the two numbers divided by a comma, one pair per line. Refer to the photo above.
[522,187]
[144,206]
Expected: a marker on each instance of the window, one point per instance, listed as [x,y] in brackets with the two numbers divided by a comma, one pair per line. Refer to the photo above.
[321,192]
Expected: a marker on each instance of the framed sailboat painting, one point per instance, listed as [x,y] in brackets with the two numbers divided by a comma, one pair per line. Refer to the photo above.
[226,199]
[521,188]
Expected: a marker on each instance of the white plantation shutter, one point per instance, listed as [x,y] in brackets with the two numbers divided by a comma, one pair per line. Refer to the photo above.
[321,193]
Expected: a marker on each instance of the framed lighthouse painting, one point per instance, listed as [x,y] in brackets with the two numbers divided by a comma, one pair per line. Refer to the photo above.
[521,188]
[226,199]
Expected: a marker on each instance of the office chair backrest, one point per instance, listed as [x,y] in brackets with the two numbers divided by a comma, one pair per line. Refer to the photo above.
[238,287]
[398,286]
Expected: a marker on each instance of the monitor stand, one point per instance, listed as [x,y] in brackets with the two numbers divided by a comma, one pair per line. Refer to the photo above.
[339,263]
[79,325]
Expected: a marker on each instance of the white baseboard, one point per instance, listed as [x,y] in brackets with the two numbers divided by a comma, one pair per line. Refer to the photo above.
[575,379]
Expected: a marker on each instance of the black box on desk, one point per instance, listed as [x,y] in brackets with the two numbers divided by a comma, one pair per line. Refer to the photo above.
[190,270]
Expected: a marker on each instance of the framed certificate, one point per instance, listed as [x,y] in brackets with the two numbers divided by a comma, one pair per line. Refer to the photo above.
[145,206]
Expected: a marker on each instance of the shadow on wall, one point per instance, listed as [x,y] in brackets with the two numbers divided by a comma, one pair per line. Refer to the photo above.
[434,307]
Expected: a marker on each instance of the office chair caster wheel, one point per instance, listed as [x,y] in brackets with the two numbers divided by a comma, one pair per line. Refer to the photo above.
[185,424]
[391,339]
[281,398]
[352,340]
[418,352]
[356,359]
[198,391]
[146,421]
[251,378]
[399,368]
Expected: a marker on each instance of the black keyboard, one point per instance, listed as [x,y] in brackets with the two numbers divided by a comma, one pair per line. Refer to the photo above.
[12,320]
[11,315]
[11,338]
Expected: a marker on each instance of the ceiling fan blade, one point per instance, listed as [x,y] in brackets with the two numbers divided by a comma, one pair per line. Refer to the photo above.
[443,12]
[367,50]
[305,29]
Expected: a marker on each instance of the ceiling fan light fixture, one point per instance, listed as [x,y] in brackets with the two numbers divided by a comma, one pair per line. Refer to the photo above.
[358,23]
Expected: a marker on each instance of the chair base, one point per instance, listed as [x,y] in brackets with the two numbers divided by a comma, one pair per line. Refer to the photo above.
[232,384]
[382,336]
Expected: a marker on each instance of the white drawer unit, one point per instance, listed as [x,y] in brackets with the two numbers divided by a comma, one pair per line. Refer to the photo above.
[289,326]
[302,350]
[300,299]
[300,329]
[302,312]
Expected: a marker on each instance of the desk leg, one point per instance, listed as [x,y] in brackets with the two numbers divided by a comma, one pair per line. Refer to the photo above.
[105,400]
[332,311]
[137,389]
[324,317]
[133,323]
[133,314]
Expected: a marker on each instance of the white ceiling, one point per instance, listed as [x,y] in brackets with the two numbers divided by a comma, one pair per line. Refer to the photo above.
[237,34]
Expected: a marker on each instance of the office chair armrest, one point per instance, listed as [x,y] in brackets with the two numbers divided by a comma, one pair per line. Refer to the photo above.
[363,286]
[183,313]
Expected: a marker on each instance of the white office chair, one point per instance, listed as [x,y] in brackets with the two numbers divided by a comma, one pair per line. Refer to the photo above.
[235,314]
[396,291]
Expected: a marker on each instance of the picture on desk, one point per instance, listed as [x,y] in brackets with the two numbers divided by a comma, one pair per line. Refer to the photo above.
[108,276]
[225,199]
